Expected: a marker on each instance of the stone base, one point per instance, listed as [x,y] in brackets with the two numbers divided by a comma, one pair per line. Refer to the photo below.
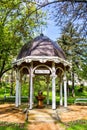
[40,107]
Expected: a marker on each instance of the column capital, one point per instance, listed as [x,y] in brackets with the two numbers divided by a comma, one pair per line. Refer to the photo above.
[33,75]
[65,78]
[18,75]
[53,75]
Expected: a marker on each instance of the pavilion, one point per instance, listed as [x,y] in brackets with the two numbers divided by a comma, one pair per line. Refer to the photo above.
[42,56]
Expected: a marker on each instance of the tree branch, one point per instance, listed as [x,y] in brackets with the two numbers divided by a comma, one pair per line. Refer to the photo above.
[6,70]
[44,4]
[3,64]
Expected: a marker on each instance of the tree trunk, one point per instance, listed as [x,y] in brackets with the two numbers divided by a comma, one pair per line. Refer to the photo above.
[0,79]
[11,92]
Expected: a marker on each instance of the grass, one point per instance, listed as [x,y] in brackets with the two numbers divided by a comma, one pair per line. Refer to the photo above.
[74,125]
[11,126]
[78,125]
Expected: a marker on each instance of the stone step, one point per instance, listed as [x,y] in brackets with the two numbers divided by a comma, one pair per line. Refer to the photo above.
[42,116]
[36,121]
[39,118]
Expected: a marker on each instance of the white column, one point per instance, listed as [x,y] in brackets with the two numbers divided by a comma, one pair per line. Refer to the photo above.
[53,87]
[29,91]
[48,91]
[31,85]
[61,95]
[33,89]
[17,89]
[65,91]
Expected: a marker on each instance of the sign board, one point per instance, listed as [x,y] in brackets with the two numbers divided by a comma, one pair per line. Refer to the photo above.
[42,71]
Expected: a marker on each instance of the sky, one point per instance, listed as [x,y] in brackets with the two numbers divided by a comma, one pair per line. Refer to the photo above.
[52,31]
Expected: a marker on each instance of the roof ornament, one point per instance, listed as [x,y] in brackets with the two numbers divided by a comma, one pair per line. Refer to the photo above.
[41,34]
[41,28]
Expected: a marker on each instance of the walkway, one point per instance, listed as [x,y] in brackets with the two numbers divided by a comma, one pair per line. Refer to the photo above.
[44,119]
[42,115]
[47,119]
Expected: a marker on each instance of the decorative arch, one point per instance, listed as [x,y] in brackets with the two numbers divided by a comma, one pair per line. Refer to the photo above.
[60,69]
[23,68]
[42,65]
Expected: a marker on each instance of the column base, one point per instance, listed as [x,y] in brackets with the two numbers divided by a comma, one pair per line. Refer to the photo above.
[53,107]
[30,108]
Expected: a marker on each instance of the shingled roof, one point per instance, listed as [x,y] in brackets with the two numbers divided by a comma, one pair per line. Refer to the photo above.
[41,46]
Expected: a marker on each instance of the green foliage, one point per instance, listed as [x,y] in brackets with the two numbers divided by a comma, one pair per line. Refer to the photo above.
[25,89]
[70,42]
[73,45]
[74,11]
[17,26]
[83,71]
[70,100]
[40,83]
[77,125]
[11,126]
[4,89]
[81,91]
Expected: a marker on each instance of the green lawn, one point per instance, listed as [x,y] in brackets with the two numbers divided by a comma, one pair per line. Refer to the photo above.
[12,126]
[75,125]
[78,125]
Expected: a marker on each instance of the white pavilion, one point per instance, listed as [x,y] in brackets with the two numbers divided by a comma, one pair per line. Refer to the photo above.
[42,56]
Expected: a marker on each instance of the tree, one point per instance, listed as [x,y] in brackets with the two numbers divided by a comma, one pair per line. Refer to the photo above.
[17,26]
[63,11]
[72,11]
[82,69]
[71,42]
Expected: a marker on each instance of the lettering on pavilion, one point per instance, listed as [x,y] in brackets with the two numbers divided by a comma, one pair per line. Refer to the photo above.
[42,71]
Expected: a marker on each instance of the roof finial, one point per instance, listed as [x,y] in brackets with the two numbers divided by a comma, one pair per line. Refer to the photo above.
[41,34]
